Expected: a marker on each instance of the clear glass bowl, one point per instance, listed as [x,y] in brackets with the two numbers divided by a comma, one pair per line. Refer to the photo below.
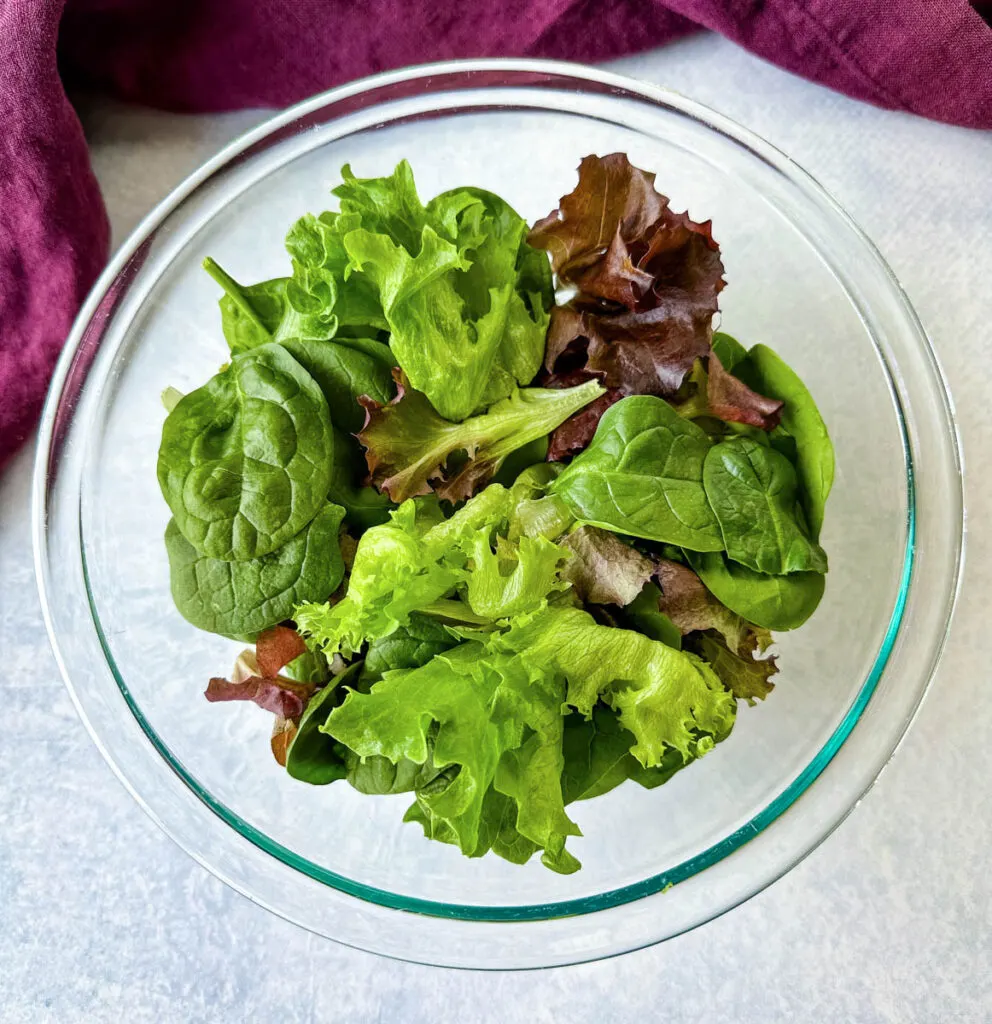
[802,278]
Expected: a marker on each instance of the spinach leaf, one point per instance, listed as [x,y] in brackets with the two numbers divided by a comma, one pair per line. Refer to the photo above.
[346,369]
[597,754]
[313,756]
[728,350]
[240,599]
[245,460]
[364,507]
[410,646]
[642,475]
[775,602]
[645,615]
[801,420]
[752,490]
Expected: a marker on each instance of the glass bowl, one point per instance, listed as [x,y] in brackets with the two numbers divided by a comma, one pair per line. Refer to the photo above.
[801,278]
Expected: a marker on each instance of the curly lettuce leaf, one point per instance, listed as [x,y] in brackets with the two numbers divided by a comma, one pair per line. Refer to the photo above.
[463,294]
[647,280]
[457,568]
[408,444]
[320,289]
[497,720]
[667,699]
[745,676]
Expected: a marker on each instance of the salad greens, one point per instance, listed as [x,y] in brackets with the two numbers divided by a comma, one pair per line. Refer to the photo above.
[495,553]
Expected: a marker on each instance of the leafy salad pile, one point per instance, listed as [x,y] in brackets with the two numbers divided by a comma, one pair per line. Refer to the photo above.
[495,551]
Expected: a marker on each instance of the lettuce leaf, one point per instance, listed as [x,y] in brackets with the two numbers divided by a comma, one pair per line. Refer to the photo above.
[465,298]
[665,698]
[408,444]
[647,281]
[497,720]
[457,568]
[603,569]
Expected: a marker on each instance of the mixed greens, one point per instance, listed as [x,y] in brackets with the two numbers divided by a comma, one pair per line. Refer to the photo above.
[494,550]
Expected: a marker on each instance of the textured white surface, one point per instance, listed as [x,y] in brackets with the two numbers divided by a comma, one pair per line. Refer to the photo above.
[103,919]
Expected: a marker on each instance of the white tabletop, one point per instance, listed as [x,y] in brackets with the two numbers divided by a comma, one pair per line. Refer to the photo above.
[103,919]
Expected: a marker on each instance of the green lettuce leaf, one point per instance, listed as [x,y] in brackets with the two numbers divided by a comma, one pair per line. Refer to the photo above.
[461,291]
[665,698]
[497,720]
[408,444]
[458,568]
[746,677]
[318,291]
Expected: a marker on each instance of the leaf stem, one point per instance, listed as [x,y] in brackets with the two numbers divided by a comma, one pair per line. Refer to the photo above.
[234,292]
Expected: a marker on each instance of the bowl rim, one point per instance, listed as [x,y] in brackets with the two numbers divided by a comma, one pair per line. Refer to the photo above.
[584,76]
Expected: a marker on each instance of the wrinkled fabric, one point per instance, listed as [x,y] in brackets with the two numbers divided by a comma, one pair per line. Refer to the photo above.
[928,57]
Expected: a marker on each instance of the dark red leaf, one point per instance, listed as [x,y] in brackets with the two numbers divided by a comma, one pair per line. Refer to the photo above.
[577,431]
[280,696]
[612,197]
[731,400]
[647,280]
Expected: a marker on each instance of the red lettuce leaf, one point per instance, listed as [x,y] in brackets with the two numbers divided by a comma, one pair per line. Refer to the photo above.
[255,676]
[691,607]
[647,281]
[613,199]
[732,401]
[275,648]
[603,569]
[280,696]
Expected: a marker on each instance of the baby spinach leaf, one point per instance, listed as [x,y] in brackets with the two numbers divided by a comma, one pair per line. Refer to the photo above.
[728,350]
[245,460]
[643,475]
[775,602]
[410,646]
[752,490]
[313,756]
[346,369]
[240,599]
[364,507]
[801,420]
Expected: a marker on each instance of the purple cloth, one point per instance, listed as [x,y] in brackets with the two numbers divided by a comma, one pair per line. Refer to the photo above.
[930,57]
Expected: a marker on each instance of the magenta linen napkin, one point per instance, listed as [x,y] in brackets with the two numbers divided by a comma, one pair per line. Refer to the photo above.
[929,57]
